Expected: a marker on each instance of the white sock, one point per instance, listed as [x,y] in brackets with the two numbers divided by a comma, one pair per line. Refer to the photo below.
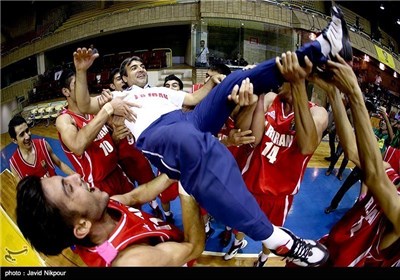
[167,213]
[153,204]
[237,241]
[207,226]
[278,238]
[264,257]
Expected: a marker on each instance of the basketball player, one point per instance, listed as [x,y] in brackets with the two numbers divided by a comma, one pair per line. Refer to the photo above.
[33,156]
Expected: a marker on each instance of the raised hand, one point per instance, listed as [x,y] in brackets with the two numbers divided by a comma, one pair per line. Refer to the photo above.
[83,59]
[289,66]
[343,75]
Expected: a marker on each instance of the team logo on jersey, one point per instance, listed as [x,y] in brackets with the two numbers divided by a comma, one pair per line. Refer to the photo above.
[292,125]
[271,114]
[44,164]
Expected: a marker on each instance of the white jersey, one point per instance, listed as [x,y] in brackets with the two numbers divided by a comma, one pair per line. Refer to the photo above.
[155,101]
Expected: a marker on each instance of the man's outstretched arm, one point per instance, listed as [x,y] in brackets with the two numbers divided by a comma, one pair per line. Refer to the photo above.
[83,59]
[170,253]
[370,156]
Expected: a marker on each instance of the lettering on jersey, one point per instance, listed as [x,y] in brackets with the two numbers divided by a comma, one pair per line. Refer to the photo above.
[103,132]
[151,94]
[371,213]
[278,140]
[106,147]
[282,140]
[131,139]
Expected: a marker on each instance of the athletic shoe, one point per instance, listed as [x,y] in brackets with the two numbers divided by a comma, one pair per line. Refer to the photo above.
[209,233]
[234,250]
[336,32]
[170,219]
[337,35]
[304,252]
[259,262]
[329,209]
[225,237]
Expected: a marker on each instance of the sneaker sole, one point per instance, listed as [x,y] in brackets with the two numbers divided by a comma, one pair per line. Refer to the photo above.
[228,257]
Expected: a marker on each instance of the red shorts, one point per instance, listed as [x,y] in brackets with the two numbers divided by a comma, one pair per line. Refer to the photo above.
[276,208]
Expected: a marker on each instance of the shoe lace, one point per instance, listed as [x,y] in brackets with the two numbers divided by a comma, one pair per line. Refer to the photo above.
[300,250]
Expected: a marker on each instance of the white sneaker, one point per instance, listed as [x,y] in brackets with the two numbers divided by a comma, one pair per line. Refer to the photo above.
[336,34]
[304,252]
[234,249]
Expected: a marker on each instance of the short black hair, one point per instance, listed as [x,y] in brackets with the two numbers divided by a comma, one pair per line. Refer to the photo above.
[220,68]
[65,78]
[40,221]
[15,121]
[127,61]
[172,77]
[112,74]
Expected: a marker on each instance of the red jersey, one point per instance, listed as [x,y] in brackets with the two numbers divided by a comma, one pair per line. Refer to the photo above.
[227,127]
[134,227]
[264,171]
[354,240]
[98,164]
[392,156]
[43,165]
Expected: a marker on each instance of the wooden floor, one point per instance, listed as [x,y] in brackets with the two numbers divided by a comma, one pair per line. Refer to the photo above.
[70,259]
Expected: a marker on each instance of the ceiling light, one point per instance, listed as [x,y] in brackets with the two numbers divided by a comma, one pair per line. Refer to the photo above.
[382,7]
[398,21]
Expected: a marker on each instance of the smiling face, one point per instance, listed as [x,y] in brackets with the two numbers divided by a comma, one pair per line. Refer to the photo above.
[74,197]
[23,136]
[136,74]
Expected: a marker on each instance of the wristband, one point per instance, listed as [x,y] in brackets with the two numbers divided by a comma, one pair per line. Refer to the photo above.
[107,252]
[109,108]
